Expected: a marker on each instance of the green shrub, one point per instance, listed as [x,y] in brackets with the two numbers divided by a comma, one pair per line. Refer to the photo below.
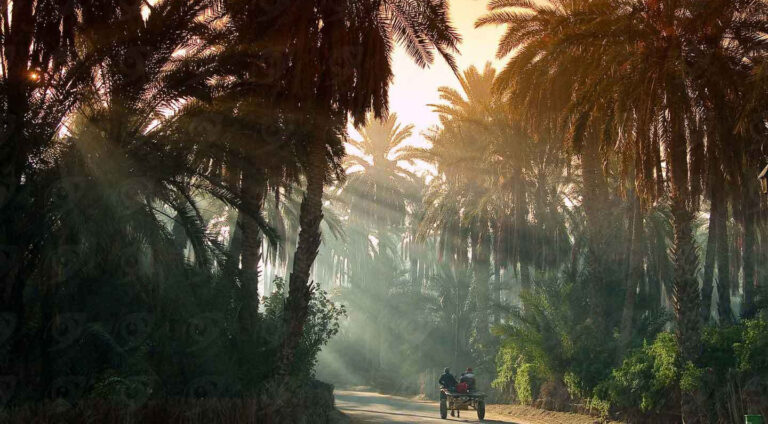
[751,350]
[645,378]
[506,368]
[690,377]
[664,354]
[718,348]
[650,379]
[574,385]
[528,380]
[599,407]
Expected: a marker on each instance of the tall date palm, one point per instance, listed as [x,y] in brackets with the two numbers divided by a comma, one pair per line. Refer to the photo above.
[334,61]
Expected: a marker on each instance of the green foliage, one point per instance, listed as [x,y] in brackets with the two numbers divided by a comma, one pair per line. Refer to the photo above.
[690,378]
[541,330]
[650,379]
[528,379]
[552,330]
[646,377]
[573,385]
[751,349]
[663,354]
[507,364]
[600,406]
[323,323]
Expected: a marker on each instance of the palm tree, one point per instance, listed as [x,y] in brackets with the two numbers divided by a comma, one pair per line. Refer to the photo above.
[136,139]
[379,187]
[458,152]
[51,88]
[42,74]
[452,287]
[335,61]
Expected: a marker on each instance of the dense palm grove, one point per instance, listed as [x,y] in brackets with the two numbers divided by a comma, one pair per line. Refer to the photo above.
[187,219]
[593,235]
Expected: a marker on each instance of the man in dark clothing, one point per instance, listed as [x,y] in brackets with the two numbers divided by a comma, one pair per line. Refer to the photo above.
[447,380]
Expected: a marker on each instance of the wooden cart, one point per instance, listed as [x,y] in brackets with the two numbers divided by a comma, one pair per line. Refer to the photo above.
[452,401]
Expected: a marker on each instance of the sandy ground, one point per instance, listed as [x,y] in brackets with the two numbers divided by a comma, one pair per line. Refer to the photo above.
[368,407]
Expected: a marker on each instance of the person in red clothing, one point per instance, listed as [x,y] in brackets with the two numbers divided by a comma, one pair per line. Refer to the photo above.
[468,377]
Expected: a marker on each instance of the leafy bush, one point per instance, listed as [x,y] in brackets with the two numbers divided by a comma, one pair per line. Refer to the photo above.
[645,379]
[552,331]
[727,376]
[323,323]
[507,364]
[528,380]
[751,350]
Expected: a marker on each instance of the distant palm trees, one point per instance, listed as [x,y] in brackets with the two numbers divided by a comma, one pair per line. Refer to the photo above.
[378,186]
[491,206]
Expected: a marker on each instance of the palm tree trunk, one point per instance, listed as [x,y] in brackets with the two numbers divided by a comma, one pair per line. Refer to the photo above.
[522,245]
[686,301]
[462,247]
[525,277]
[456,327]
[655,279]
[482,268]
[748,258]
[724,311]
[253,192]
[496,288]
[735,249]
[659,173]
[635,276]
[709,262]
[595,203]
[299,287]
[685,286]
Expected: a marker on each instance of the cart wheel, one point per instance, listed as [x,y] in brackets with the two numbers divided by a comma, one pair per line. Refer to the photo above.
[443,409]
[481,410]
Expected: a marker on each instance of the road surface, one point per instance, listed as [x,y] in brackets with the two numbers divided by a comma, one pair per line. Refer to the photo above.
[367,407]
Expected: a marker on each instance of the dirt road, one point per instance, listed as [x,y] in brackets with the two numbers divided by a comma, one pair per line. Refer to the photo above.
[367,407]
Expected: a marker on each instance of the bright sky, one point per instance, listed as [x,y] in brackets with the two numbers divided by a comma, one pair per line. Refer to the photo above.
[414,88]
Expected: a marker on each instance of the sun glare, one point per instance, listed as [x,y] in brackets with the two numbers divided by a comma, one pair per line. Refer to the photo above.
[415,88]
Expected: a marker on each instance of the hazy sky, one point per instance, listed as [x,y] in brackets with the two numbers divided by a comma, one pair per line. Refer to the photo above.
[414,87]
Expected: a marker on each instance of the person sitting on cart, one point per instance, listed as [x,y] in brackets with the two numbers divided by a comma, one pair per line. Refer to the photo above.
[447,380]
[468,377]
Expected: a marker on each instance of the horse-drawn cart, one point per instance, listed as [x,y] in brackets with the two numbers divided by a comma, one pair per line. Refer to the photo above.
[453,401]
